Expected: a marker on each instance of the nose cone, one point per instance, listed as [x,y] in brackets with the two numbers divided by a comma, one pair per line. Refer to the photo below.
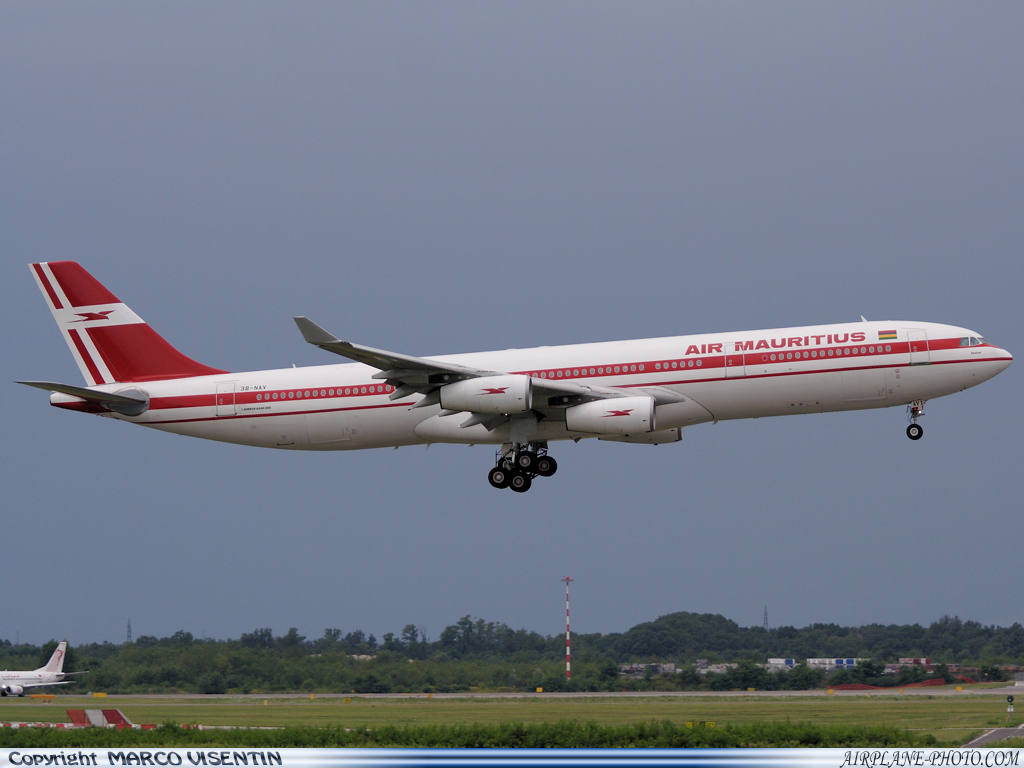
[1003,359]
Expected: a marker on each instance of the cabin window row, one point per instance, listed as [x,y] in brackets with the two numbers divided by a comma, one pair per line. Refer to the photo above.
[676,364]
[298,394]
[831,353]
[608,369]
[574,372]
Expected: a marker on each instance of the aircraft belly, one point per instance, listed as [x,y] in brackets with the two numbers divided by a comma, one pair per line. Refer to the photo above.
[283,431]
[350,429]
[923,382]
[867,384]
[355,430]
[756,397]
[326,431]
[447,429]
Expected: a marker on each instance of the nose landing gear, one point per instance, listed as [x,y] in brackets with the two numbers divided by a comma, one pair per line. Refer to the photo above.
[517,464]
[915,411]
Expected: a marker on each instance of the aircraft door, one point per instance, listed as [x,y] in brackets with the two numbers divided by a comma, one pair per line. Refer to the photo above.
[918,341]
[734,366]
[225,398]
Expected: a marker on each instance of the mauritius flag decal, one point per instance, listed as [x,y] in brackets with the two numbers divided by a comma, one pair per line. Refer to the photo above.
[886,335]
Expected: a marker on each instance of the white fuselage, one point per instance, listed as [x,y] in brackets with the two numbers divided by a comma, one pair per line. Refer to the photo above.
[23,680]
[746,374]
[732,376]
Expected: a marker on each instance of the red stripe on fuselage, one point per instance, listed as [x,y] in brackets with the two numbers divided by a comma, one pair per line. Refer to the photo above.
[204,400]
[709,364]
[181,401]
[262,397]
[648,367]
[284,413]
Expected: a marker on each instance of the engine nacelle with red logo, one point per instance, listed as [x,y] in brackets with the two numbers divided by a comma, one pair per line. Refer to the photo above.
[489,394]
[11,690]
[616,416]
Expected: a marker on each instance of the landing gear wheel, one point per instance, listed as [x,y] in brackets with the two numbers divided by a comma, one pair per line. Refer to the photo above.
[520,483]
[525,461]
[546,466]
[499,477]
[914,431]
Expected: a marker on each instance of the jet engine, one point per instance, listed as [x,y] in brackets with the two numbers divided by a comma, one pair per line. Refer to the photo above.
[11,690]
[489,394]
[616,416]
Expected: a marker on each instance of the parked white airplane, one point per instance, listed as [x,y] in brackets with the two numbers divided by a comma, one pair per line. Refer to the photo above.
[16,683]
[642,391]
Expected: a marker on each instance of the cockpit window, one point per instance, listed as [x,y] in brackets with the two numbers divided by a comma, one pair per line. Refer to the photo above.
[984,341]
[965,342]
[975,342]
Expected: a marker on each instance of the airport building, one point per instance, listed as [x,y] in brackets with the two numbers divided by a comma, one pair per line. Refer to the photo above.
[831,664]
[641,669]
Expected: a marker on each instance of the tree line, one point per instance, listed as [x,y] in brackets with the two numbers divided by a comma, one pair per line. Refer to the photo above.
[478,654]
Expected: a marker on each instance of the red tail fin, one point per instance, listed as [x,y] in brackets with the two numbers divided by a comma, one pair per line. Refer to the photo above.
[109,342]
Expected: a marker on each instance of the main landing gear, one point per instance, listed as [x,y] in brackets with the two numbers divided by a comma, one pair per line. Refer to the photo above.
[519,463]
[915,411]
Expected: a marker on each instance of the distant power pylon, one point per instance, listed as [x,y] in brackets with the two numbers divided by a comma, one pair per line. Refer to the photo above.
[767,635]
[129,631]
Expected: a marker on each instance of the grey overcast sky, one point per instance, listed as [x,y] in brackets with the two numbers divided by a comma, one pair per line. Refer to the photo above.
[451,177]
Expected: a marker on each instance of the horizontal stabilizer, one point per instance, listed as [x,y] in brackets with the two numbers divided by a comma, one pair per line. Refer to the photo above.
[124,404]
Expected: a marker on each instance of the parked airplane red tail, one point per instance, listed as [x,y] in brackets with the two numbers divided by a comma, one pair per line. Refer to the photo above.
[109,342]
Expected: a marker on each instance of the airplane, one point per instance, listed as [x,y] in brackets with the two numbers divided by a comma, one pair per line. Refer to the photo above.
[16,683]
[640,391]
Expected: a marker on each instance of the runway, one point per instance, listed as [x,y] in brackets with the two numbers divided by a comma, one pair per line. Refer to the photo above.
[948,690]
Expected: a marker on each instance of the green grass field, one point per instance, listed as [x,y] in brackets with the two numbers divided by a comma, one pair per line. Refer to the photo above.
[948,718]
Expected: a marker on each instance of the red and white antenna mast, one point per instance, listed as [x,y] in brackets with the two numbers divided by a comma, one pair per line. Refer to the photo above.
[568,673]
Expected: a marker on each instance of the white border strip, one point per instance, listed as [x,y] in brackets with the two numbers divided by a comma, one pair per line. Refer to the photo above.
[921,757]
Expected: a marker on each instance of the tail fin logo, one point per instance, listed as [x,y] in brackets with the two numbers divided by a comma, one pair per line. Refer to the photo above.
[87,316]
[109,342]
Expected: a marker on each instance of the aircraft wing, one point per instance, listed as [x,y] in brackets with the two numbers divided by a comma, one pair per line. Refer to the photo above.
[416,374]
[378,358]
